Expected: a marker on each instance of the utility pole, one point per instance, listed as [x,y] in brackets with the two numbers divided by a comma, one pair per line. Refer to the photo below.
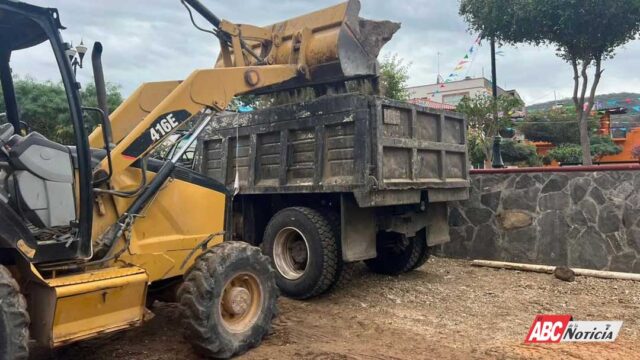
[497,156]
[438,77]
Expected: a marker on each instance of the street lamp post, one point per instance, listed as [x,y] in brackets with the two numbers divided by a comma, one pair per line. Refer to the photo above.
[497,155]
[76,55]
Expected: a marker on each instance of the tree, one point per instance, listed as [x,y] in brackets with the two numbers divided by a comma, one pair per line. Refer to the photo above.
[394,74]
[481,123]
[554,126]
[584,33]
[44,107]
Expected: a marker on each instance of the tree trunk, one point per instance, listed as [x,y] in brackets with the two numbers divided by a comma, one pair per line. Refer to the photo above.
[583,118]
[585,142]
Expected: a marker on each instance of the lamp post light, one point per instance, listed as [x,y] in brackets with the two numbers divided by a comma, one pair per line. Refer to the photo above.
[76,55]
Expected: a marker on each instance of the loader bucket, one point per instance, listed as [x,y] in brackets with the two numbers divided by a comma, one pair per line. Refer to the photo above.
[342,46]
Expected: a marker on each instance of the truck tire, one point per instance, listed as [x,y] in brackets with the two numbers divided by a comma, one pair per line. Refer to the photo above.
[423,250]
[229,298]
[397,254]
[14,319]
[302,245]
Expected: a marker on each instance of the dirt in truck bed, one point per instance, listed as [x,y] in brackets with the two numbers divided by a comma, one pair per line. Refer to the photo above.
[446,309]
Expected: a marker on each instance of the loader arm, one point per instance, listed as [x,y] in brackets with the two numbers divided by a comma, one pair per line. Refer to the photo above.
[210,88]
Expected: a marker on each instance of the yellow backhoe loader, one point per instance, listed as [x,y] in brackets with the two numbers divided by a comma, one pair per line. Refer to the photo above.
[90,233]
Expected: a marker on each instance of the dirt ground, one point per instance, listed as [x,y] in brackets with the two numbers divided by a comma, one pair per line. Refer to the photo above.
[447,310]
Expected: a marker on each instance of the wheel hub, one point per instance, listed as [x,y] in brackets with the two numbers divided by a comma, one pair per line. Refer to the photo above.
[291,253]
[237,301]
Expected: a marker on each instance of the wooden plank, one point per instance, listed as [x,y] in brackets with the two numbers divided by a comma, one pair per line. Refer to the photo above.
[284,156]
[443,165]
[224,158]
[550,269]
[422,145]
[319,154]
[253,138]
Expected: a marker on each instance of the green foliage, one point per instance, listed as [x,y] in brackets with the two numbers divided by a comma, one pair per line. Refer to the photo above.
[572,153]
[519,153]
[44,107]
[475,147]
[635,152]
[394,74]
[579,29]
[479,112]
[602,146]
[566,153]
[554,126]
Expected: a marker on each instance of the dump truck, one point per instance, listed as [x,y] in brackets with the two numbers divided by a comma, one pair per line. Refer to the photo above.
[94,230]
[342,178]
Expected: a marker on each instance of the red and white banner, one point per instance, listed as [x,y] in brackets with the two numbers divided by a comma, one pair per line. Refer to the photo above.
[562,328]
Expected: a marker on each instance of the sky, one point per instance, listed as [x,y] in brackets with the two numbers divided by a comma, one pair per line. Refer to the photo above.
[153,40]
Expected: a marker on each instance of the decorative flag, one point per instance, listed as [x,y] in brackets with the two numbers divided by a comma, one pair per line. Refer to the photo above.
[612,102]
[636,108]
[628,101]
[464,63]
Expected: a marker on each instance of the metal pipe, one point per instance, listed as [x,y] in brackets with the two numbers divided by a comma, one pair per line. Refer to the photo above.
[204,12]
[9,93]
[101,89]
[191,138]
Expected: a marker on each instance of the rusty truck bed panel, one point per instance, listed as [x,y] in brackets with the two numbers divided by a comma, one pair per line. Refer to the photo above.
[385,152]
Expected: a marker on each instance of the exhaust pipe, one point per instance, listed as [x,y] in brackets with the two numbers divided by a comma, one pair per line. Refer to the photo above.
[101,88]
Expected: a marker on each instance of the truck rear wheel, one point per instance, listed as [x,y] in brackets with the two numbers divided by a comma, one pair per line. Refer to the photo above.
[423,250]
[229,298]
[302,245]
[14,319]
[397,253]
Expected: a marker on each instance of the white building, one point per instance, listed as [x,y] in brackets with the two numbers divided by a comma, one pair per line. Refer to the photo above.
[452,92]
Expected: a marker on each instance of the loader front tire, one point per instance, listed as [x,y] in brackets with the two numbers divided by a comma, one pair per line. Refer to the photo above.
[14,319]
[302,244]
[229,298]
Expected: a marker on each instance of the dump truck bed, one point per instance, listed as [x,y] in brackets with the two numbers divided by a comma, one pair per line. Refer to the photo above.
[384,152]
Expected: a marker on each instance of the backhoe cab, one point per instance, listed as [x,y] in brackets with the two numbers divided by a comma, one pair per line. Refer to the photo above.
[90,232]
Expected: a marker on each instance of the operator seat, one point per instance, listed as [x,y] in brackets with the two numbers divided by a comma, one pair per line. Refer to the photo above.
[41,185]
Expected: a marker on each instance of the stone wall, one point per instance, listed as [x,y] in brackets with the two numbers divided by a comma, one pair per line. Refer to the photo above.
[588,219]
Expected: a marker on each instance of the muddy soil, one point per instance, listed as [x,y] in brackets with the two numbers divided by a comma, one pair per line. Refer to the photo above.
[446,310]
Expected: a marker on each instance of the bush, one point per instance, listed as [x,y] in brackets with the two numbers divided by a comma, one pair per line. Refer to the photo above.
[572,153]
[603,145]
[566,153]
[514,152]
